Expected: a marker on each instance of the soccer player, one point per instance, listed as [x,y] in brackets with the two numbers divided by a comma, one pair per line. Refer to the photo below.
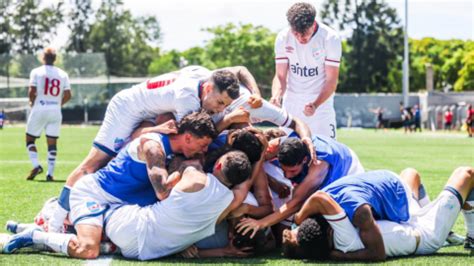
[178,94]
[137,175]
[470,120]
[335,160]
[49,90]
[193,207]
[423,234]
[307,58]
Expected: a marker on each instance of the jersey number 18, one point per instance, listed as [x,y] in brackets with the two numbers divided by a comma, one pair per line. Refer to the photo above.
[54,89]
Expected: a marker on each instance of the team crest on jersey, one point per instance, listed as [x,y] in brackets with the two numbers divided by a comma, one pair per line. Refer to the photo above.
[93,206]
[289,49]
[118,144]
[317,53]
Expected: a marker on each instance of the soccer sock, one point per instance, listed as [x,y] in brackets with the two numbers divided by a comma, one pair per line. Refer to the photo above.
[423,197]
[33,155]
[56,241]
[22,227]
[469,215]
[51,159]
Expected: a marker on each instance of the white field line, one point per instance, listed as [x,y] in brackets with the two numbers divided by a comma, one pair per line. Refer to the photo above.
[100,261]
[29,162]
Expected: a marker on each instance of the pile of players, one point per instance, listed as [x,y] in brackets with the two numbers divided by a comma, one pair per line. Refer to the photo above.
[200,181]
[178,169]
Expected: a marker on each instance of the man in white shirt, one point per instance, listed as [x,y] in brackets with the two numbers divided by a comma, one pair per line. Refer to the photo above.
[49,89]
[307,58]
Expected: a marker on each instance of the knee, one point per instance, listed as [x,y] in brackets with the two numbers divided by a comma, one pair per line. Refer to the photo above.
[412,174]
[465,171]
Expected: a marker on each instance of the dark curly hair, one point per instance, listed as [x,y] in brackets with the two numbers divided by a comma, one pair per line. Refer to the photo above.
[225,80]
[247,142]
[312,238]
[198,124]
[292,152]
[236,167]
[301,17]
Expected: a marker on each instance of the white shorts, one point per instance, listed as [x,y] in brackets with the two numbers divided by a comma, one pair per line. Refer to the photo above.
[117,126]
[47,119]
[267,112]
[121,226]
[88,202]
[323,122]
[435,221]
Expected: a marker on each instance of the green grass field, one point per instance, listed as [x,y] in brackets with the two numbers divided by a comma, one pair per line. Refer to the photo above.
[435,155]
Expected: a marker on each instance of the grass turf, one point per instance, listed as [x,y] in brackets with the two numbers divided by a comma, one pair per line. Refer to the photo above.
[435,155]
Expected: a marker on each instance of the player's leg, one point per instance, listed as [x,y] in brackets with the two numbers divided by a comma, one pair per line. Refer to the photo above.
[52,152]
[413,179]
[462,180]
[34,127]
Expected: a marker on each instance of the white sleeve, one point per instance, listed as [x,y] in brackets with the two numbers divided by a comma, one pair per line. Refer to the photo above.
[346,237]
[33,81]
[269,112]
[280,52]
[186,103]
[67,85]
[333,50]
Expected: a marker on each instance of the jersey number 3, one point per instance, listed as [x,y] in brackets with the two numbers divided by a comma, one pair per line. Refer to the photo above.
[52,88]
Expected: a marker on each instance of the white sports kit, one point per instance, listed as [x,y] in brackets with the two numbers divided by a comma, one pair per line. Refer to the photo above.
[50,83]
[307,76]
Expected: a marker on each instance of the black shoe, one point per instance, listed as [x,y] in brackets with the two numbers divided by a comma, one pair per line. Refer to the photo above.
[469,243]
[49,178]
[36,171]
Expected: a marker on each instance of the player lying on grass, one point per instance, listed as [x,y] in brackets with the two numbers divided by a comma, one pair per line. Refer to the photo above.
[350,226]
[194,206]
[301,176]
[137,175]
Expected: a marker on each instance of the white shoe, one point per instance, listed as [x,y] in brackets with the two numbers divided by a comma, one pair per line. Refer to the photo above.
[4,239]
[453,239]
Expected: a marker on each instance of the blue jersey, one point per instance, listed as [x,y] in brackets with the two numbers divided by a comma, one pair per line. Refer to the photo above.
[126,177]
[336,154]
[381,189]
[218,142]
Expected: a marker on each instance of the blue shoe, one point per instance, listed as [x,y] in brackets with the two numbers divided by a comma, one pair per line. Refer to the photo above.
[11,227]
[21,240]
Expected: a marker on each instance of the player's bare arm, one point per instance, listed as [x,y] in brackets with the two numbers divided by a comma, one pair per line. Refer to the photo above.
[32,95]
[319,203]
[67,95]
[330,85]
[370,235]
[246,78]
[152,153]
[302,192]
[237,116]
[279,83]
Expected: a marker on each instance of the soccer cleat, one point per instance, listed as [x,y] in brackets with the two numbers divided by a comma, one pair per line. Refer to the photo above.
[21,240]
[453,239]
[49,178]
[469,243]
[36,171]
[11,227]
[4,239]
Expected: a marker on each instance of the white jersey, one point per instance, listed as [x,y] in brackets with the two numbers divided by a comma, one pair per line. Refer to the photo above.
[306,62]
[398,239]
[50,83]
[181,220]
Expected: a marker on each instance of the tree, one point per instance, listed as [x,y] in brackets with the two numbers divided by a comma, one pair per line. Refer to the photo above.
[375,47]
[126,41]
[79,24]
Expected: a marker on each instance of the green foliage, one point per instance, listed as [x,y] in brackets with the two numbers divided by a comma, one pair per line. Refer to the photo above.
[79,24]
[125,40]
[373,53]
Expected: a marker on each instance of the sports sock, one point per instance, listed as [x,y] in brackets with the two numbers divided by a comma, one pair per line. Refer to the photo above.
[56,241]
[51,159]
[22,227]
[56,221]
[33,155]
[423,197]
[469,215]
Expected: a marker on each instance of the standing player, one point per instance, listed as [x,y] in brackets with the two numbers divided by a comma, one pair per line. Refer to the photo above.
[307,56]
[49,90]
[470,120]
